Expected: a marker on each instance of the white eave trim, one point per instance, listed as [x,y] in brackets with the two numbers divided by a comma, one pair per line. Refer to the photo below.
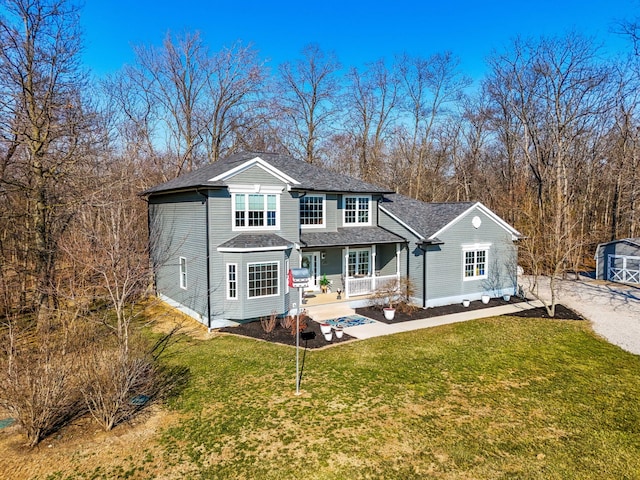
[280,175]
[488,213]
[253,249]
[394,217]
[256,188]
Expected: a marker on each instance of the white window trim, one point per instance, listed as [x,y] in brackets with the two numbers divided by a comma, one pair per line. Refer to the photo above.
[258,191]
[324,211]
[476,247]
[277,294]
[182,262]
[286,275]
[356,223]
[235,265]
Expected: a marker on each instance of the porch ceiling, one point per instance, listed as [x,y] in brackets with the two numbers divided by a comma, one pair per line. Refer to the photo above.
[349,236]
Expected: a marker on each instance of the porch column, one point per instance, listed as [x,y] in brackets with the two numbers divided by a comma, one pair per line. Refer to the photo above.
[398,262]
[373,267]
[345,271]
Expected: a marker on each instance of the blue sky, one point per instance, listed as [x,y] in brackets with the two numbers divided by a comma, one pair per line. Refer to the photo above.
[357,31]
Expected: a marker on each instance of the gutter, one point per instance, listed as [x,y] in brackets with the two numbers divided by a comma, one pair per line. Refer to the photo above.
[206,222]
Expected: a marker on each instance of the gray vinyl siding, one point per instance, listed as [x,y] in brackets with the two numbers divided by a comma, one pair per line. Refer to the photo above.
[444,282]
[445,262]
[177,225]
[410,256]
[245,308]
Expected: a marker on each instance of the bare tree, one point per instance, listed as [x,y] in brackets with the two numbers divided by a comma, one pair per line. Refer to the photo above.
[372,100]
[171,83]
[429,86]
[305,99]
[232,112]
[43,120]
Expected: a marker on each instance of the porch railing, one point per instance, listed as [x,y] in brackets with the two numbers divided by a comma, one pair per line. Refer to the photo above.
[356,286]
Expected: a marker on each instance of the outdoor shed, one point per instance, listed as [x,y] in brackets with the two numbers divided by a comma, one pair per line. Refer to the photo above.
[619,261]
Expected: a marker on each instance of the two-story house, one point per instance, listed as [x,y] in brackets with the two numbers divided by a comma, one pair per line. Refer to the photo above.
[223,237]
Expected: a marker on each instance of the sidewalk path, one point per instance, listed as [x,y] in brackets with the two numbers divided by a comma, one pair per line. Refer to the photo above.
[376,329]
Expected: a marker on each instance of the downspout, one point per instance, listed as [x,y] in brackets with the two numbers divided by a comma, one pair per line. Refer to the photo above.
[206,223]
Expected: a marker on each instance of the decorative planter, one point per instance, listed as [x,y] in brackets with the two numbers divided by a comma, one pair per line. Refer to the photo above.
[465,303]
[325,328]
[506,298]
[389,313]
[485,299]
[339,332]
[323,288]
[328,336]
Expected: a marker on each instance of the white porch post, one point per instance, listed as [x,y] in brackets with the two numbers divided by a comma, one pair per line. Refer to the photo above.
[398,262]
[345,269]
[373,267]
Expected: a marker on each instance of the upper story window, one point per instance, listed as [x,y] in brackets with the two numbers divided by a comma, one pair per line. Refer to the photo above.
[256,211]
[357,210]
[312,211]
[475,262]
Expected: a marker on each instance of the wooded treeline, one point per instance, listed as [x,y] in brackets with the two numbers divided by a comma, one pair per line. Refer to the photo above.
[548,139]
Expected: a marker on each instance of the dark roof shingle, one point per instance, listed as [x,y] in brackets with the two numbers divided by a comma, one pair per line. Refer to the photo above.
[426,219]
[311,177]
[349,236]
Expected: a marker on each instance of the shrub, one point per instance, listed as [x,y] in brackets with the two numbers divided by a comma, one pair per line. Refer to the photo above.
[38,383]
[269,323]
[116,383]
[298,327]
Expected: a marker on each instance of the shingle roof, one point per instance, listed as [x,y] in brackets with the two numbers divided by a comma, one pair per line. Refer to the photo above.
[349,236]
[426,219]
[248,241]
[311,177]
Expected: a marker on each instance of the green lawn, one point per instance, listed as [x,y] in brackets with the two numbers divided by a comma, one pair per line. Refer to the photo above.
[497,398]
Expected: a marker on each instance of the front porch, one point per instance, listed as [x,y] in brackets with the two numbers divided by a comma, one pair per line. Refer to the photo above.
[350,272]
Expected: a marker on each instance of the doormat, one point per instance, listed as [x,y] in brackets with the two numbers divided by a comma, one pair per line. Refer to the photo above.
[349,321]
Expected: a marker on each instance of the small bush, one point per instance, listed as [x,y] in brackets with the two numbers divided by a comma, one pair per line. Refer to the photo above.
[38,383]
[287,321]
[269,323]
[116,384]
[298,327]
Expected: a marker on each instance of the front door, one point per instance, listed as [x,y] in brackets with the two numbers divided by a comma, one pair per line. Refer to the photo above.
[311,260]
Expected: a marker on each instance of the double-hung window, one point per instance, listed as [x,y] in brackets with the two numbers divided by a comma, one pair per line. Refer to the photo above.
[232,281]
[475,262]
[255,210]
[359,262]
[262,279]
[357,210]
[312,211]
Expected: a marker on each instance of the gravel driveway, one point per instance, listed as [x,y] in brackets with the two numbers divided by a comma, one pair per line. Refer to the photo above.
[613,308]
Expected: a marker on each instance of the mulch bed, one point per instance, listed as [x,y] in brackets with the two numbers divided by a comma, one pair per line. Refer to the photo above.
[283,336]
[562,312]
